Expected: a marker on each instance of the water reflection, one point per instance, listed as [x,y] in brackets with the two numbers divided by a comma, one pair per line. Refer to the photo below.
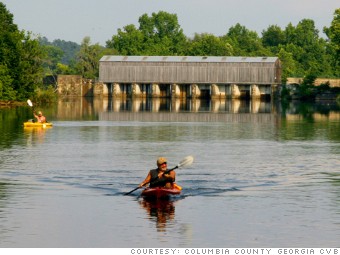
[73,108]
[160,211]
[3,193]
[35,135]
[194,105]
[282,117]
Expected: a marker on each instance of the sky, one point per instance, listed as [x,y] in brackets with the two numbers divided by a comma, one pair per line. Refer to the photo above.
[73,20]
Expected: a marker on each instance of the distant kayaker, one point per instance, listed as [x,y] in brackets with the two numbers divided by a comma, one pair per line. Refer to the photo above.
[159,177]
[40,117]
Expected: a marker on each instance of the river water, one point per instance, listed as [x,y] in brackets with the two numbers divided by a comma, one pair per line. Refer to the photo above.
[263,175]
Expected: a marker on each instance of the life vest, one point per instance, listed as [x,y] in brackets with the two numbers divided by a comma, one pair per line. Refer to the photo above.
[156,181]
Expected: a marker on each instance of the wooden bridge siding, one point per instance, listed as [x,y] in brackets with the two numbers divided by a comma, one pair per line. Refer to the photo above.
[128,72]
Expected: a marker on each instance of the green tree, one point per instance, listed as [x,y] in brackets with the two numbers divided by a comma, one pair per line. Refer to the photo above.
[159,34]
[20,59]
[333,33]
[162,34]
[208,45]
[69,49]
[273,37]
[288,64]
[306,90]
[6,90]
[128,41]
[9,38]
[64,69]
[29,70]
[60,56]
[88,57]
[53,58]
[245,42]
[307,49]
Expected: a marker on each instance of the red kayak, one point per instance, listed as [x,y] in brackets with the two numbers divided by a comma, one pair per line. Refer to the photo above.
[160,192]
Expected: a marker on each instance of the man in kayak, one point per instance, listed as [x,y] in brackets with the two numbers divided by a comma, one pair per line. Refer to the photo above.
[159,177]
[40,117]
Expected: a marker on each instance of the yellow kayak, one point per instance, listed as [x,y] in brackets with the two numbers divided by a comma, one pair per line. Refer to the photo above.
[37,124]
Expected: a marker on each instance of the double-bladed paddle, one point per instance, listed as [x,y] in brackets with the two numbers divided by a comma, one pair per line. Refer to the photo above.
[187,161]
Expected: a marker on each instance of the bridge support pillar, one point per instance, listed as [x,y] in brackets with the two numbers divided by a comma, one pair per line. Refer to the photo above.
[216,93]
[195,91]
[156,92]
[235,91]
[175,91]
[255,91]
[116,90]
[136,91]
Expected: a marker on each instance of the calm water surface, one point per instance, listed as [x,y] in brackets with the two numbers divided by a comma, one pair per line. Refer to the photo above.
[269,178]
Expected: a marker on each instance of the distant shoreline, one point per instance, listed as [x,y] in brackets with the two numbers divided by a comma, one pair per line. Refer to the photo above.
[4,103]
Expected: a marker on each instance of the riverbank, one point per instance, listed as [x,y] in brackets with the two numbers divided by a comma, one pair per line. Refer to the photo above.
[11,103]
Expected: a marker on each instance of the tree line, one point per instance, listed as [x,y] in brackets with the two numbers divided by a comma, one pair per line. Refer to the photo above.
[26,59]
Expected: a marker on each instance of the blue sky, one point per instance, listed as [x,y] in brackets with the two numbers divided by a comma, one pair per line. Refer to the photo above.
[72,20]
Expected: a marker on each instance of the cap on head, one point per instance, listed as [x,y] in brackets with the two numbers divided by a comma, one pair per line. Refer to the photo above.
[161,160]
[39,113]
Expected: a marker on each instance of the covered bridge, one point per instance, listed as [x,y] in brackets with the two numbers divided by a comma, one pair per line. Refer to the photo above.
[189,76]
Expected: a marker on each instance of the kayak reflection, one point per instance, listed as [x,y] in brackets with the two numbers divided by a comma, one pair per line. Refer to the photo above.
[161,211]
[35,134]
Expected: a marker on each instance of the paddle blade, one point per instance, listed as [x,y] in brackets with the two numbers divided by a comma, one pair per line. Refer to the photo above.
[187,161]
[29,102]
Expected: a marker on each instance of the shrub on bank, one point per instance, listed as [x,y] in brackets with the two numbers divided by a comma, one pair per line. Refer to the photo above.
[45,96]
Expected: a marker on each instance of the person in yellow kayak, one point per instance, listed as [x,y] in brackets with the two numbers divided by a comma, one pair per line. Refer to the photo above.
[159,177]
[40,117]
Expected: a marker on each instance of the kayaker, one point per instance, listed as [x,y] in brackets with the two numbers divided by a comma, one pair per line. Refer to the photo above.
[40,117]
[158,177]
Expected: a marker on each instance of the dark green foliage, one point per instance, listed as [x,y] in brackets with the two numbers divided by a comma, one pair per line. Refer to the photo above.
[306,90]
[285,93]
[64,52]
[88,57]
[333,33]
[20,60]
[245,42]
[209,45]
[159,34]
[45,96]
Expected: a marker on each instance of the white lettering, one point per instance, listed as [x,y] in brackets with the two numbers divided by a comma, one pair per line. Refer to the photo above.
[296,251]
[155,251]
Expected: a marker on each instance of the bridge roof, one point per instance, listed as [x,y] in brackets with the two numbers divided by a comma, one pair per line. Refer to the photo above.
[210,59]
